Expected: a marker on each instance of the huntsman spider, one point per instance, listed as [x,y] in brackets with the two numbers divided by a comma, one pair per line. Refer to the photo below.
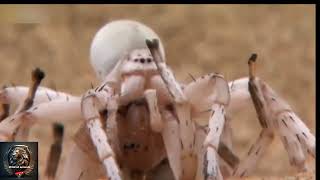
[140,115]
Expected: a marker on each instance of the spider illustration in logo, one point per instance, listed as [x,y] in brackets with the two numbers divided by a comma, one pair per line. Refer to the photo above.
[18,160]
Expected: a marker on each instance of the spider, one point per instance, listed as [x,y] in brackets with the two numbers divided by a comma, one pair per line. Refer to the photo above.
[140,115]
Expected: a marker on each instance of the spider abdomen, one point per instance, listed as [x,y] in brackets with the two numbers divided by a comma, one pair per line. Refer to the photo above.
[140,148]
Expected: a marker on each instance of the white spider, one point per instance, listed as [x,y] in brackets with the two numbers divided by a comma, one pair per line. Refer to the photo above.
[140,115]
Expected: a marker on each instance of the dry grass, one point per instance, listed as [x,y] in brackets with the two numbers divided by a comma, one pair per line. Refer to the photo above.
[198,39]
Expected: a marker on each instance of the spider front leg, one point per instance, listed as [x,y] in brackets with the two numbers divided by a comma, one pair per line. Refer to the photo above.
[172,142]
[209,92]
[155,117]
[182,110]
[216,122]
[92,103]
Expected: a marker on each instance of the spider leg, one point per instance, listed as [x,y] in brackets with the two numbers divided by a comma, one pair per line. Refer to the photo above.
[241,91]
[227,159]
[295,135]
[92,103]
[247,165]
[201,133]
[275,115]
[155,117]
[227,134]
[167,75]
[211,143]
[98,108]
[10,134]
[4,111]
[170,134]
[209,92]
[58,110]
[131,88]
[182,110]
[15,95]
[55,151]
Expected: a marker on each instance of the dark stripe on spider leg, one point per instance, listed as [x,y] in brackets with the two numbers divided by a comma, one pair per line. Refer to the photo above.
[304,134]
[49,98]
[214,170]
[243,173]
[156,107]
[292,118]
[250,150]
[308,151]
[192,77]
[258,150]
[102,87]
[81,174]
[181,144]
[212,113]
[235,170]
[285,141]
[205,166]
[232,83]
[255,87]
[298,138]
[283,121]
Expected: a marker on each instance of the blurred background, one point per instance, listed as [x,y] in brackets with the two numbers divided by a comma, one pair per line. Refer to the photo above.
[198,39]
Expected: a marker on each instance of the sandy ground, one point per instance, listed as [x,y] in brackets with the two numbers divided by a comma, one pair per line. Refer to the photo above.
[198,39]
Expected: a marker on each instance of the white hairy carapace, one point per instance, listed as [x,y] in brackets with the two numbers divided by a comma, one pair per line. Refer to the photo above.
[116,39]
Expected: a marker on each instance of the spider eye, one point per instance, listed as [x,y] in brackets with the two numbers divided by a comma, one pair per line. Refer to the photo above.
[142,60]
[149,60]
[135,60]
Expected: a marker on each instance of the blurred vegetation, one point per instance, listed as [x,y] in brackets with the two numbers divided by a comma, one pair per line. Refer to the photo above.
[198,39]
